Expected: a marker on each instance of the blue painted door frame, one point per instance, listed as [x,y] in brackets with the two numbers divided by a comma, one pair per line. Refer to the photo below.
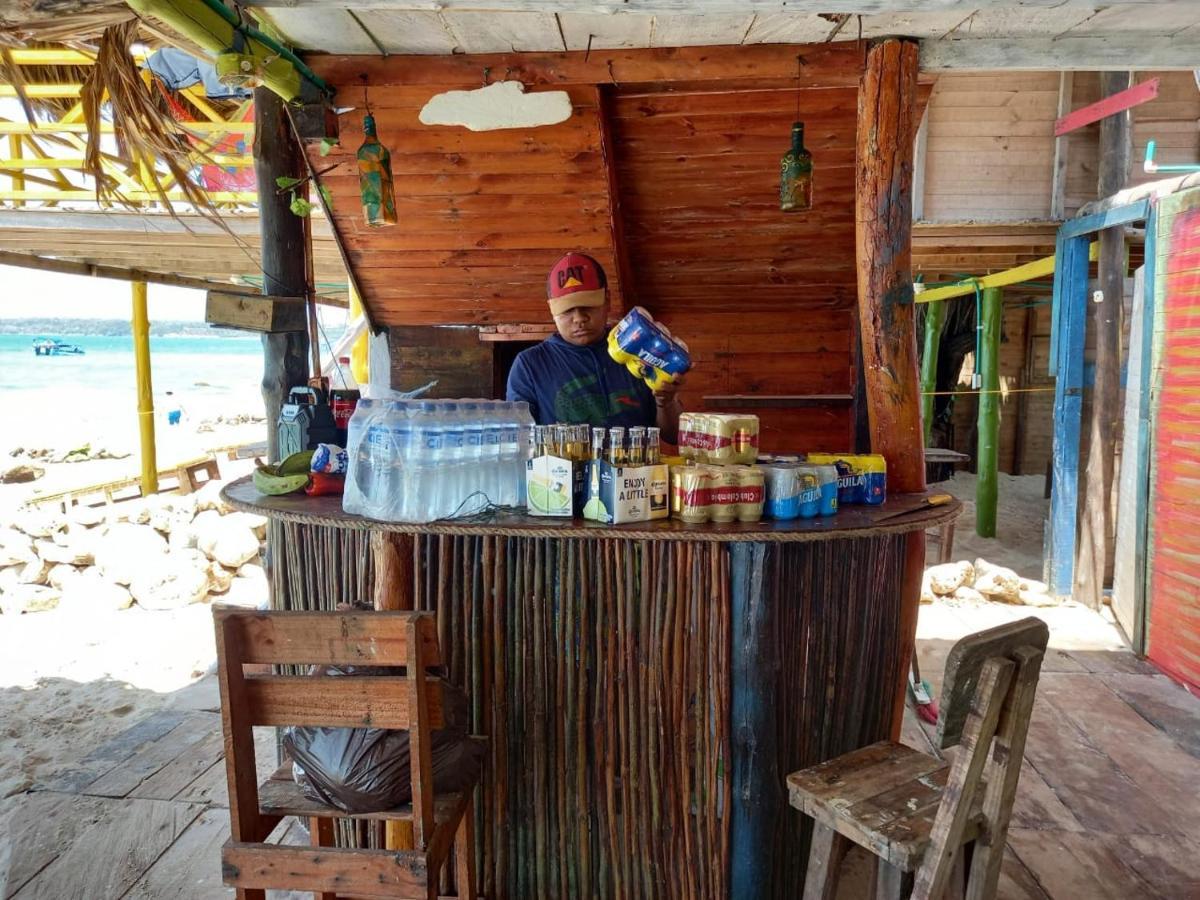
[1067,333]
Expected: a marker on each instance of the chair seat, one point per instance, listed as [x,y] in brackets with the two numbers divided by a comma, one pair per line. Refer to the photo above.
[883,797]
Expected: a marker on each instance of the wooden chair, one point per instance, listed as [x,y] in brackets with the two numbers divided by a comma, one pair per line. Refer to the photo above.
[420,835]
[924,819]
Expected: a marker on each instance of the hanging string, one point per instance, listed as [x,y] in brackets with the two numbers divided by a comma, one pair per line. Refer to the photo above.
[799,72]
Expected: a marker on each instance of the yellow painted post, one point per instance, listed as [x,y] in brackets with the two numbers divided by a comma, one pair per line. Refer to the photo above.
[18,179]
[358,350]
[145,392]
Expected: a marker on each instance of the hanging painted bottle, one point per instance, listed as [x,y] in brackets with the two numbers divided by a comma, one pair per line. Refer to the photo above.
[375,178]
[795,174]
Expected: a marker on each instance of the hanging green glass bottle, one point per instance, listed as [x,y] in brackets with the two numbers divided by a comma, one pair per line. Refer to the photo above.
[375,178]
[795,174]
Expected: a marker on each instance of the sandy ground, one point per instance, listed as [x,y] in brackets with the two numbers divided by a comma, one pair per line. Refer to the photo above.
[72,677]
[1021,512]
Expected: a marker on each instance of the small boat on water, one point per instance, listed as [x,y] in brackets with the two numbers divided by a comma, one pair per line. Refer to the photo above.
[55,347]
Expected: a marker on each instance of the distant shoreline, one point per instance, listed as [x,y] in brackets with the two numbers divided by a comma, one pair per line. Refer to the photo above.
[112,328]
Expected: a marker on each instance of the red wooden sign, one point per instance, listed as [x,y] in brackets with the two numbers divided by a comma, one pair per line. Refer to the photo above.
[1111,104]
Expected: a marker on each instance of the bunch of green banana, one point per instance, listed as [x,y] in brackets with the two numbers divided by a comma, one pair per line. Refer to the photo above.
[282,478]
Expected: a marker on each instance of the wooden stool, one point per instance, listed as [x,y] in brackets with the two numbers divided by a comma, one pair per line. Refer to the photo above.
[943,536]
[426,830]
[916,813]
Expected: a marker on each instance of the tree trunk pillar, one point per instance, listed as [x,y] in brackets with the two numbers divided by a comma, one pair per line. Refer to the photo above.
[887,123]
[284,253]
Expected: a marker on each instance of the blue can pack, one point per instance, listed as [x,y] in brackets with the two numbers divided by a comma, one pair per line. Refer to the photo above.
[827,477]
[783,492]
[810,491]
[862,477]
[647,349]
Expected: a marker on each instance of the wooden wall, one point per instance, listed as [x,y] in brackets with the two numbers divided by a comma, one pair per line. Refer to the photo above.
[990,144]
[672,156]
[764,299]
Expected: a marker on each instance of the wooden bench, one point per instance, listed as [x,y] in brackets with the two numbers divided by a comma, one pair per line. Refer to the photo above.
[185,475]
[421,835]
[923,818]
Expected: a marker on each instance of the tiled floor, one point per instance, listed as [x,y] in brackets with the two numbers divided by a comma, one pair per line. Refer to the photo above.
[1108,805]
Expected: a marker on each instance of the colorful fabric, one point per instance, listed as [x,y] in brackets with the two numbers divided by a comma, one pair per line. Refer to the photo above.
[579,385]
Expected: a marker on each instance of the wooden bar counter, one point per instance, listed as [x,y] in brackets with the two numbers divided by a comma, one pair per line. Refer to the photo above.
[644,688]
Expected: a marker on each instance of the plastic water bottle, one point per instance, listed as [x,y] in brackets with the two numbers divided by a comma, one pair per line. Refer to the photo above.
[493,438]
[428,437]
[451,474]
[399,451]
[509,427]
[353,496]
[472,481]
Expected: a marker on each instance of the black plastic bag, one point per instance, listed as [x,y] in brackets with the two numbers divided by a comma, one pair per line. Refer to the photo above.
[362,770]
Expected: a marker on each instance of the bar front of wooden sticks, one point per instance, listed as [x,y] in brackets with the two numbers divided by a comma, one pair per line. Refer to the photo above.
[643,699]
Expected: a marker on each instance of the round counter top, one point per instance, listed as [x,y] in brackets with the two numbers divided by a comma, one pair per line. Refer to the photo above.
[901,513]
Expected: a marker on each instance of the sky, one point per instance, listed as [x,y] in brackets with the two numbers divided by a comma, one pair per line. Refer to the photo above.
[30,293]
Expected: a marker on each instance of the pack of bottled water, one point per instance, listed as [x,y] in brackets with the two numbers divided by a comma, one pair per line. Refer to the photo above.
[421,460]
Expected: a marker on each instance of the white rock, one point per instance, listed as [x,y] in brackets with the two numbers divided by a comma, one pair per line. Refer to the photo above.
[256,523]
[174,581]
[230,544]
[16,547]
[61,575]
[969,595]
[90,592]
[36,571]
[126,550]
[182,535]
[209,497]
[948,577]
[248,593]
[927,595]
[253,571]
[997,582]
[28,598]
[78,550]
[39,523]
[219,578]
[87,516]
[1035,587]
[1037,598]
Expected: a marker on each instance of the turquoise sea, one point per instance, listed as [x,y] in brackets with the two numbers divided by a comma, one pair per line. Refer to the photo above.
[52,400]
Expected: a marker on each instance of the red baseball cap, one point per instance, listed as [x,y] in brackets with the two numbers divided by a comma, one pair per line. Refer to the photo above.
[575,280]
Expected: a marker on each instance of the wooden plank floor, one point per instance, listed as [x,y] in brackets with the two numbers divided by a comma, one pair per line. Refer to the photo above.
[1108,805]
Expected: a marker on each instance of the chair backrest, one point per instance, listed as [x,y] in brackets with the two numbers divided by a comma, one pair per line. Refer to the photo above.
[410,701]
[987,695]
[965,663]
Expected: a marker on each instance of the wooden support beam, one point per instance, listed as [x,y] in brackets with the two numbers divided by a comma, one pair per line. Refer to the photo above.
[249,312]
[887,104]
[1110,52]
[1116,150]
[1058,184]
[919,160]
[1039,268]
[145,390]
[1070,301]
[616,220]
[277,154]
[71,267]
[1108,106]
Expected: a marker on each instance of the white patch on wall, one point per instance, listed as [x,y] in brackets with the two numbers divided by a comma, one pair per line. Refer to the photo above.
[503,104]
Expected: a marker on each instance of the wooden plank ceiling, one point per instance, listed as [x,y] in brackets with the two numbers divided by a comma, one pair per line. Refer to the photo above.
[191,247]
[1011,30]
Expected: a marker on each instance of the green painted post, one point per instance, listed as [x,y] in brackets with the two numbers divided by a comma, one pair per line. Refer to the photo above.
[935,318]
[986,484]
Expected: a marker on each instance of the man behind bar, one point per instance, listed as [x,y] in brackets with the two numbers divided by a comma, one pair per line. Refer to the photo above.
[569,378]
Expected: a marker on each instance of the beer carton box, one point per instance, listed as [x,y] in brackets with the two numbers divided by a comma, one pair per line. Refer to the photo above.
[554,487]
[619,494]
